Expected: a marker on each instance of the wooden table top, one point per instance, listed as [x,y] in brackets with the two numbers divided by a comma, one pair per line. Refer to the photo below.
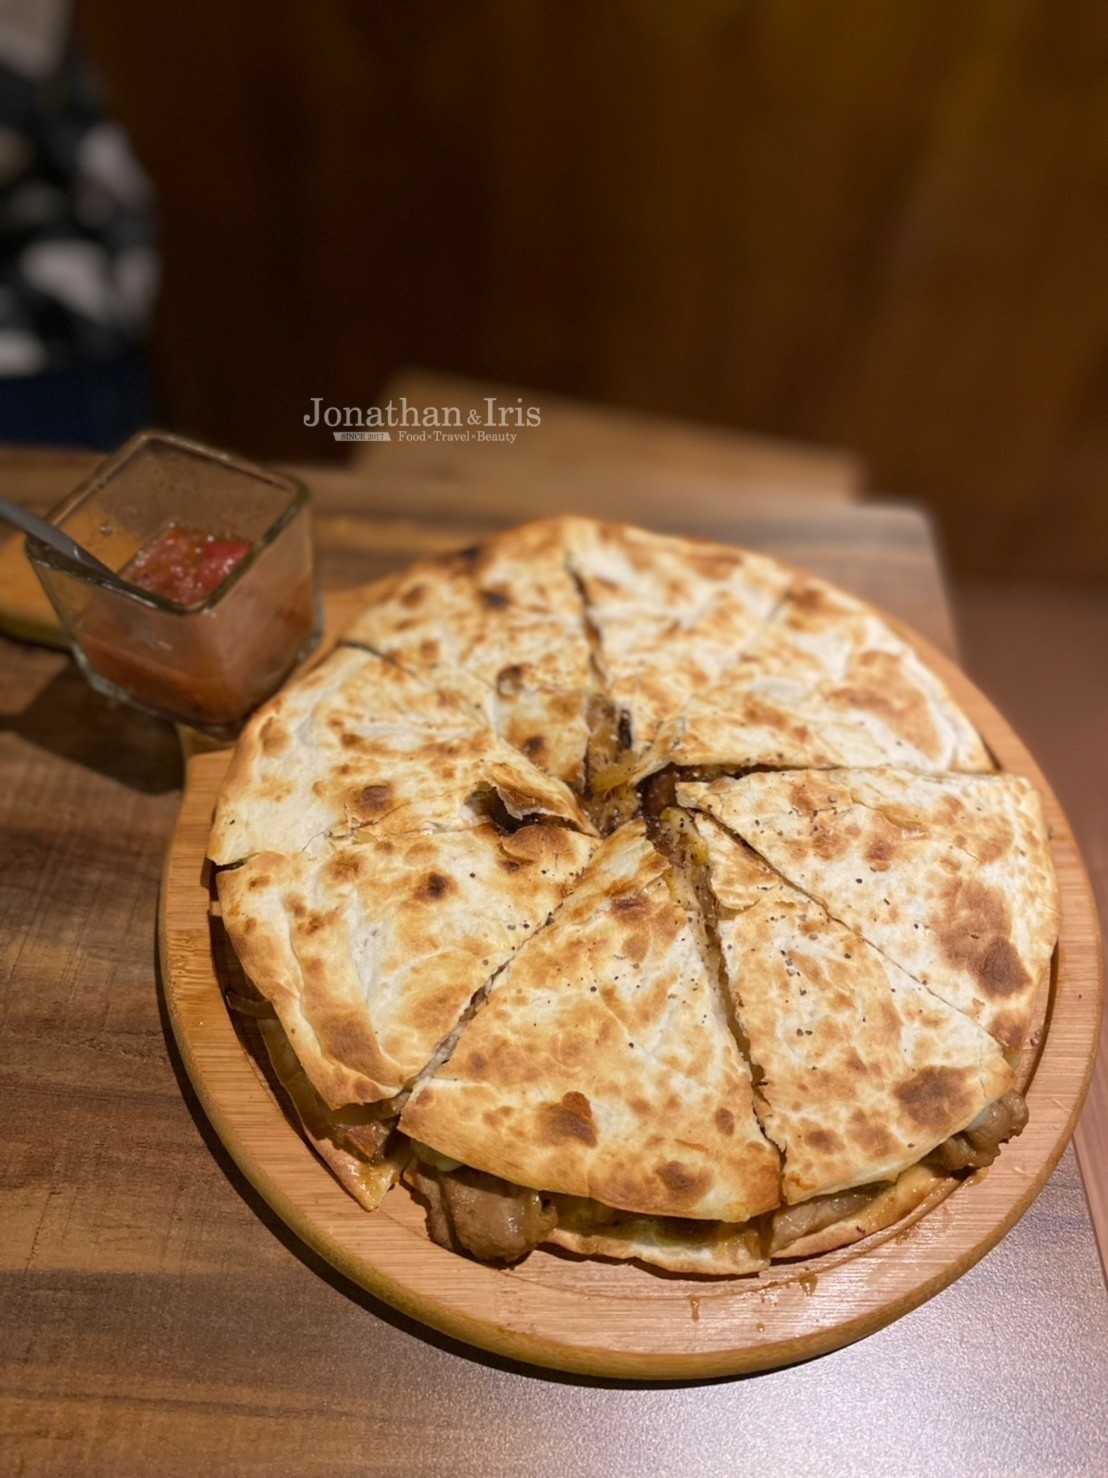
[157,1316]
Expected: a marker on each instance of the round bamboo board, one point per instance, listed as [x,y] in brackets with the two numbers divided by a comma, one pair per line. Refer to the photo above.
[620,1320]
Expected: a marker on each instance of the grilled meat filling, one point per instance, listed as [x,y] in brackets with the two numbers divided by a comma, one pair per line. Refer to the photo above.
[498,1222]
[790,1223]
[979,1145]
[610,799]
[491,1219]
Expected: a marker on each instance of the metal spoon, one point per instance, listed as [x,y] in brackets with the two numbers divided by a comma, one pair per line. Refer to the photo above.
[51,535]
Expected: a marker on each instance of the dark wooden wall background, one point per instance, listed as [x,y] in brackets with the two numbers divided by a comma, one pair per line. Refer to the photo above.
[882,225]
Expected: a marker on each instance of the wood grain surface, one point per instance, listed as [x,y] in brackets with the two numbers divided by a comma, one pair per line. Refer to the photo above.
[592,1317]
[157,1315]
[372,519]
[582,457]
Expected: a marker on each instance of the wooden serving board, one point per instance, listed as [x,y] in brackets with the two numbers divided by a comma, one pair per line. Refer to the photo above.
[620,1320]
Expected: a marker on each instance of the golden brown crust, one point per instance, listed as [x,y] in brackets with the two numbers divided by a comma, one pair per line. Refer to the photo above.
[361,743]
[602,1064]
[824,682]
[950,876]
[371,949]
[864,1071]
[671,615]
[500,626]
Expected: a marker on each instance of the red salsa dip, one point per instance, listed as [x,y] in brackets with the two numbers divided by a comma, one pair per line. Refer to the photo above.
[216,653]
[184,564]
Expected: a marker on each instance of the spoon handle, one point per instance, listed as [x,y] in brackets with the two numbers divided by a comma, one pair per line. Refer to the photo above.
[50,535]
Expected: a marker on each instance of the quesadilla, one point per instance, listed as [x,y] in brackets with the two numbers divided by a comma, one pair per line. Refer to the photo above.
[601,1064]
[371,948]
[949,876]
[861,1071]
[670,615]
[501,627]
[517,919]
[824,682]
[361,743]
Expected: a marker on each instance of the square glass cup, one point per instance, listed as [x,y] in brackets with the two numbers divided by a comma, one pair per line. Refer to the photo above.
[210,662]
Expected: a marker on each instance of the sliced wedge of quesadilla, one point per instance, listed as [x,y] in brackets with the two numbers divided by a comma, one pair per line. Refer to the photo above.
[500,627]
[824,682]
[670,615]
[361,743]
[949,876]
[861,1071]
[602,1065]
[371,949]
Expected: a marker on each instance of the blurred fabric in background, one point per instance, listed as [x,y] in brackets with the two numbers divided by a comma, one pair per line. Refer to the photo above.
[78,271]
[879,226]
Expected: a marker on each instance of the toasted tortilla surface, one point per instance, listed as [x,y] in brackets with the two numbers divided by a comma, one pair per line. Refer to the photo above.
[500,627]
[602,1064]
[371,949]
[671,615]
[861,1070]
[949,876]
[825,682]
